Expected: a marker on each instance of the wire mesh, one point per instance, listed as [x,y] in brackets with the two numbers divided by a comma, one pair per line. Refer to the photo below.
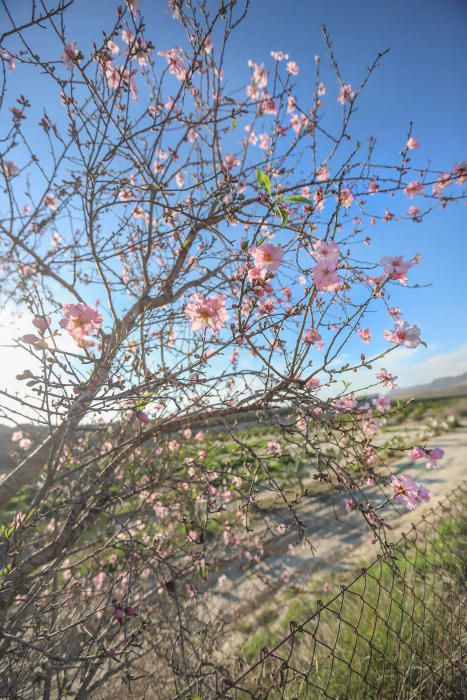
[396,631]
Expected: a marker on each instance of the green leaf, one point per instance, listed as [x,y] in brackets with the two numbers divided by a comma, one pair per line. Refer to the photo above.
[298,198]
[422,342]
[263,180]
[144,400]
[234,123]
[282,214]
[29,515]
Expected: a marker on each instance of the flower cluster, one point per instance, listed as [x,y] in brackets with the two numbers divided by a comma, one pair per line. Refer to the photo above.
[267,256]
[324,273]
[70,55]
[174,58]
[403,334]
[206,312]
[396,267]
[408,491]
[80,321]
[432,456]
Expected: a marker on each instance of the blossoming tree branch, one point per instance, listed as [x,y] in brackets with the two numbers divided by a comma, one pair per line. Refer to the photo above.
[190,251]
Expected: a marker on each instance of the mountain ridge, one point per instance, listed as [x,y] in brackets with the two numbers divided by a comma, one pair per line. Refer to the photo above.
[453,385]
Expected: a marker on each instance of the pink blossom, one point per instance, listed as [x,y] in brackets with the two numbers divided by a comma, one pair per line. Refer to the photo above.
[256,274]
[319,199]
[350,504]
[17,113]
[274,447]
[126,195]
[312,336]
[386,378]
[264,141]
[50,201]
[382,404]
[325,277]
[127,36]
[326,251]
[433,455]
[113,47]
[322,174]
[133,6]
[396,267]
[80,320]
[41,322]
[414,187]
[442,181]
[460,172]
[116,77]
[298,122]
[293,68]
[29,339]
[142,417]
[260,74]
[413,211]
[208,45]
[9,59]
[279,55]
[408,491]
[346,94]
[417,453]
[10,169]
[118,614]
[346,198]
[346,403]
[141,51]
[70,55]
[291,104]
[313,383]
[174,58]
[365,334]
[192,135]
[206,312]
[267,104]
[268,255]
[403,334]
[412,143]
[373,187]
[252,92]
[230,161]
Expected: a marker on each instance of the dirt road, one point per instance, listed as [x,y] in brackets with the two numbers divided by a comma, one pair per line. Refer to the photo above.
[341,541]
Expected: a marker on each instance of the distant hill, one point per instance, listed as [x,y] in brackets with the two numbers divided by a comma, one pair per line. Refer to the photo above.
[438,388]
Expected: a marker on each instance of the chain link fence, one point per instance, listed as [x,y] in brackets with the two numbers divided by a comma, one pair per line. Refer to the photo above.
[397,631]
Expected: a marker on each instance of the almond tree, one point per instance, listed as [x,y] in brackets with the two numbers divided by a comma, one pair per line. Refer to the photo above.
[186,248]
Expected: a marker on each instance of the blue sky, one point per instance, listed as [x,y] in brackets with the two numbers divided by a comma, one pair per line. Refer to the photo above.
[422,79]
